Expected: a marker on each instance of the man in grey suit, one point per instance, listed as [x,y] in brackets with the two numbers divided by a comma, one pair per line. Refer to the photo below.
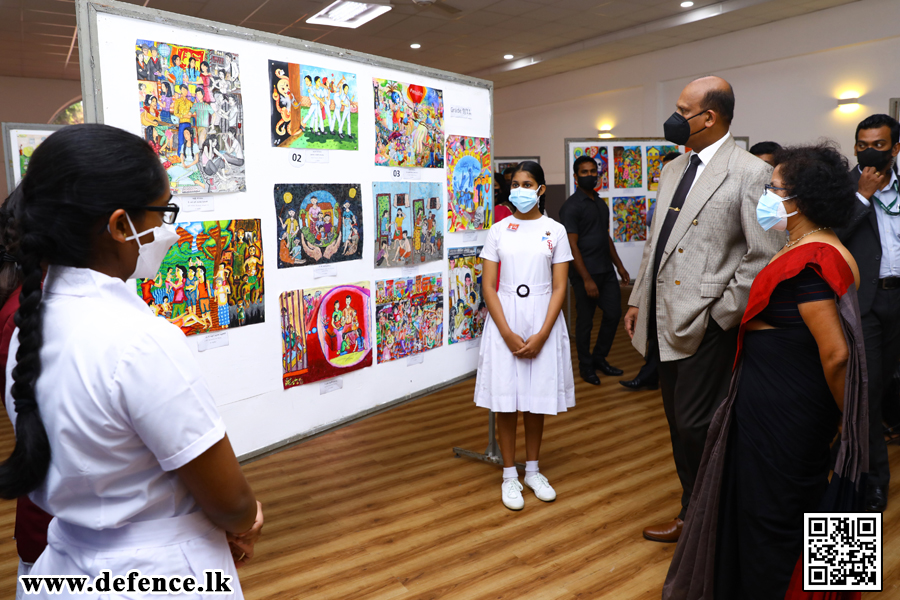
[705,248]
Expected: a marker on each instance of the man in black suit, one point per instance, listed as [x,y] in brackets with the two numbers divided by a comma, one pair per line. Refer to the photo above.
[873,237]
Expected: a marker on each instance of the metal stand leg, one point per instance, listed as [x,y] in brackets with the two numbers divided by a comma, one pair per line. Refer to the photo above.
[491,454]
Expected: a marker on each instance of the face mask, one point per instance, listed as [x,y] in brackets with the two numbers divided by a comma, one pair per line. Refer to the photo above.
[524,200]
[151,254]
[677,129]
[770,211]
[870,157]
[587,182]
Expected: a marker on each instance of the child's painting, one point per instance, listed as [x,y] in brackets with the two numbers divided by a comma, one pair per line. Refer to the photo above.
[601,155]
[409,125]
[410,223]
[26,144]
[469,181]
[313,107]
[318,223]
[409,316]
[212,278]
[630,219]
[467,308]
[325,332]
[655,155]
[192,115]
[628,167]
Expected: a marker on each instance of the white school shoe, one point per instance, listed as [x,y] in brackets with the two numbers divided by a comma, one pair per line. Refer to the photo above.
[512,494]
[541,487]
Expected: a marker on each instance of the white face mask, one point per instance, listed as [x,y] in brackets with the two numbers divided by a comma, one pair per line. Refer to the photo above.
[151,254]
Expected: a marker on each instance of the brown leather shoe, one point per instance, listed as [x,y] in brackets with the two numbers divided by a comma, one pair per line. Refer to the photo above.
[667,533]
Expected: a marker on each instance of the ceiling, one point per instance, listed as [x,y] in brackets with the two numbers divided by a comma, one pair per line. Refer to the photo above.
[38,39]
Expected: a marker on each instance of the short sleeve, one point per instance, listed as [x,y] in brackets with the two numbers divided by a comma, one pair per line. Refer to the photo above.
[810,287]
[562,251]
[568,218]
[167,401]
[490,250]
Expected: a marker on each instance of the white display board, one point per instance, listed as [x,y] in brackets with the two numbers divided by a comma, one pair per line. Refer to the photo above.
[19,141]
[630,193]
[246,374]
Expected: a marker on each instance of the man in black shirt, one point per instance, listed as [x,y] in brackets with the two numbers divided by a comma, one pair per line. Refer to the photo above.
[586,219]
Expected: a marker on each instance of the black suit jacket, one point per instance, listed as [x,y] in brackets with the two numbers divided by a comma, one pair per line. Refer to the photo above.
[862,239]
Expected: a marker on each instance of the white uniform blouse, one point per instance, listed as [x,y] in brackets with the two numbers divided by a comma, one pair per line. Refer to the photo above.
[123,403]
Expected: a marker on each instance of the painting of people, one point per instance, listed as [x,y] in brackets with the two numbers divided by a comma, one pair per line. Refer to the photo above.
[467,310]
[409,316]
[409,125]
[469,180]
[410,223]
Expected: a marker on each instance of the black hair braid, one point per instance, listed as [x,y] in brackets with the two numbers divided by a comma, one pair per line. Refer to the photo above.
[9,246]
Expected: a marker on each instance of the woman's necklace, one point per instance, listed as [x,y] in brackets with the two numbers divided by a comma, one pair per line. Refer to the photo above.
[789,243]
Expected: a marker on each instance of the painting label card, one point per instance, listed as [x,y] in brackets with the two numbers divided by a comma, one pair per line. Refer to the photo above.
[332,385]
[197,204]
[212,340]
[318,156]
[470,237]
[418,359]
[325,271]
[473,344]
[409,271]
[464,113]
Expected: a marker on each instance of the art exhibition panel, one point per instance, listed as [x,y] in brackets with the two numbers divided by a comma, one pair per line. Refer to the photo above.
[19,141]
[317,237]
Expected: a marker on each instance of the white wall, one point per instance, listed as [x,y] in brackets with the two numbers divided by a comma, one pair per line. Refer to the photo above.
[787,77]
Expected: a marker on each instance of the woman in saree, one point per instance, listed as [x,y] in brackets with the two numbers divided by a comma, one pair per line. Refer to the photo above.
[800,373]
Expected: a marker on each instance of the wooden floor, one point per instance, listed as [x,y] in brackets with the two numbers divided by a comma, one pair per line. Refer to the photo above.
[382,509]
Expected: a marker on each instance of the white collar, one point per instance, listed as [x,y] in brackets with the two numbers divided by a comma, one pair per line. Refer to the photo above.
[707,153]
[87,283]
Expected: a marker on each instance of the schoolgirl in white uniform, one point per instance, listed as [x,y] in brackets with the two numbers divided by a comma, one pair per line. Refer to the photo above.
[117,434]
[525,363]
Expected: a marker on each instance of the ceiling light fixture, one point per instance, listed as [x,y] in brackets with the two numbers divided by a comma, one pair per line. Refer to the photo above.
[345,13]
[687,4]
[508,56]
[415,46]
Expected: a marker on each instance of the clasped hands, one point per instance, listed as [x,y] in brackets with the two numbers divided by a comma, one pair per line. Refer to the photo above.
[522,348]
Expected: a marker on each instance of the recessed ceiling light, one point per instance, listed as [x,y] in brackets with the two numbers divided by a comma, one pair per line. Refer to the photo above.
[508,56]
[415,46]
[345,13]
[687,4]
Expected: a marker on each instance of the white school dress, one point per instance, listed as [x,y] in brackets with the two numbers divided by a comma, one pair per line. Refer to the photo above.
[527,251]
[124,406]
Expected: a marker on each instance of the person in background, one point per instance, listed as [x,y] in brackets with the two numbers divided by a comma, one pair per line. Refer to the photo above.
[524,364]
[702,254]
[502,206]
[594,283]
[873,237]
[93,406]
[765,151]
[648,377]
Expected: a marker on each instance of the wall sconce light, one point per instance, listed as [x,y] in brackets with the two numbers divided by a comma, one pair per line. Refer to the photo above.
[605,132]
[849,102]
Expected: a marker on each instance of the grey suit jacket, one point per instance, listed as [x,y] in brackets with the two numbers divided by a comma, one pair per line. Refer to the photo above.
[715,250]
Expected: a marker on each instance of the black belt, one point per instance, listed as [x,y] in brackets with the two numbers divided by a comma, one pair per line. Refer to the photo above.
[889,283]
[519,291]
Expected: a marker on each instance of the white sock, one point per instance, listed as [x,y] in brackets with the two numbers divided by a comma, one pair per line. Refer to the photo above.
[510,473]
[531,468]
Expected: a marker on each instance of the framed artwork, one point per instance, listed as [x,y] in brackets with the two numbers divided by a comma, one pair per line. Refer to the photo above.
[630,217]
[313,107]
[318,223]
[467,310]
[410,222]
[655,156]
[212,278]
[192,114]
[628,167]
[19,141]
[409,125]
[469,183]
[409,315]
[601,155]
[325,332]
[501,163]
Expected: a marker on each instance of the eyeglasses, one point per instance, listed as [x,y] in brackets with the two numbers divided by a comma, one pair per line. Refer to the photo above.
[170,212]
[769,186]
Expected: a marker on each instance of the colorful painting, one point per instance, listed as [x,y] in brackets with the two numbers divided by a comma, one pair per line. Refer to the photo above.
[655,155]
[313,107]
[409,315]
[467,308]
[628,167]
[410,223]
[409,125]
[212,278]
[630,219]
[318,223]
[469,181]
[601,155]
[192,115]
[325,332]
[27,143]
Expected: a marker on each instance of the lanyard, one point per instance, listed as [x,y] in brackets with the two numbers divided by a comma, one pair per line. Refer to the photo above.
[889,209]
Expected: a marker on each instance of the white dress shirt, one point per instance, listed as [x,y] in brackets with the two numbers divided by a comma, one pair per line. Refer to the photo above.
[888,227]
[123,403]
[706,155]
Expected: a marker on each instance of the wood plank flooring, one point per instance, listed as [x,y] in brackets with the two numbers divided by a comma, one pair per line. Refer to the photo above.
[383,510]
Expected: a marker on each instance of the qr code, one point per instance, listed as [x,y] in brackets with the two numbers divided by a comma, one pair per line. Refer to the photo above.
[842,552]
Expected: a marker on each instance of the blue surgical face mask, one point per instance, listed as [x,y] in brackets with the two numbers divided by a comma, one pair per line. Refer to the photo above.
[770,212]
[523,199]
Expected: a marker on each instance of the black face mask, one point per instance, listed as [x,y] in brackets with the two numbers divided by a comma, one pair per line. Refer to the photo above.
[677,129]
[587,182]
[870,157]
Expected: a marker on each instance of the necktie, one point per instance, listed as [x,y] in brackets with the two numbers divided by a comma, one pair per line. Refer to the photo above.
[681,192]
